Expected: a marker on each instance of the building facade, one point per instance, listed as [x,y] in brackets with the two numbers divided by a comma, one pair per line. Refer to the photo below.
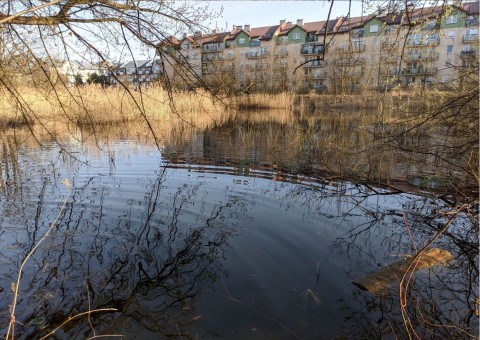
[416,46]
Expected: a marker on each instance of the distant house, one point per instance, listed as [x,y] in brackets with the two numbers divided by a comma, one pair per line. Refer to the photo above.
[73,69]
[135,72]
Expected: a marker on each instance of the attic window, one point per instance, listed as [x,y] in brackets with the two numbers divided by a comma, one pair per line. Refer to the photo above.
[358,33]
[451,19]
[241,41]
[296,36]
[374,29]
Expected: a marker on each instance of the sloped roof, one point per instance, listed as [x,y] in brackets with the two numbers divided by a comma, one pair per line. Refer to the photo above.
[213,38]
[315,26]
[284,29]
[233,33]
[392,18]
[263,33]
[347,24]
[471,7]
[427,12]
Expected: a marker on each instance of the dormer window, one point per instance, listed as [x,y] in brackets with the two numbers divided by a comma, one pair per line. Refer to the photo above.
[186,46]
[451,19]
[358,33]
[373,28]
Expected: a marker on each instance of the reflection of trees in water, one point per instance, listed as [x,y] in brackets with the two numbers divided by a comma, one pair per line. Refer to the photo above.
[442,301]
[150,261]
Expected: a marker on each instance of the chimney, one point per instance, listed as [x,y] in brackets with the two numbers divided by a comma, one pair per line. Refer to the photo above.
[247,28]
[184,35]
[282,21]
[300,22]
[214,31]
[197,34]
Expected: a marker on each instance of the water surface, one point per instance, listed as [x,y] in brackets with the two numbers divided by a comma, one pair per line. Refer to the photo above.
[215,236]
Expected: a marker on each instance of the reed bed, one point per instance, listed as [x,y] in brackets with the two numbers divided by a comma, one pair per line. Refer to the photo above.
[94,107]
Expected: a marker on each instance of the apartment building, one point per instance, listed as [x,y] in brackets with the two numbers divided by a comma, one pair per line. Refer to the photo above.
[429,45]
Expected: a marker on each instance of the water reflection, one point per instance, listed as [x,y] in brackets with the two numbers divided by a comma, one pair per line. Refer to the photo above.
[237,231]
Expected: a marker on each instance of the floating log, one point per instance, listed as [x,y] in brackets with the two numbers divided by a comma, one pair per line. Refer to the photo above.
[377,281]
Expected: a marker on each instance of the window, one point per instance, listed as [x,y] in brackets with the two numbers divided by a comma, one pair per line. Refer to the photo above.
[296,36]
[451,34]
[358,33]
[241,41]
[448,64]
[451,19]
[446,79]
[449,48]
[358,45]
[374,29]
[471,32]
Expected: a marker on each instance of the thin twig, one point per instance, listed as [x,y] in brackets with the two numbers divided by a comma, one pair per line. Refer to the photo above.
[16,285]
[79,315]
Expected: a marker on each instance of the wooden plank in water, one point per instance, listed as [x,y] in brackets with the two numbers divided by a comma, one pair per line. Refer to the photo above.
[377,281]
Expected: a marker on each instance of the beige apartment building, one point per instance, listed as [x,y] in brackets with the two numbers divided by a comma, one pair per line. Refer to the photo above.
[417,46]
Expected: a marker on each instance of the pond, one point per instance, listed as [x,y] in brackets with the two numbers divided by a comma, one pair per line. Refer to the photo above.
[234,231]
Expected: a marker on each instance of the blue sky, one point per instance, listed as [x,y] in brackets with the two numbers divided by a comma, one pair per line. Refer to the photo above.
[266,13]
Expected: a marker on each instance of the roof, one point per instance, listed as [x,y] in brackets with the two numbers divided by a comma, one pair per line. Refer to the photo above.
[263,33]
[347,24]
[285,29]
[213,38]
[471,7]
[314,27]
[134,64]
[427,12]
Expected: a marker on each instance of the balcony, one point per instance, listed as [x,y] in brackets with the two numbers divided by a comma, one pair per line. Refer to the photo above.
[467,54]
[471,22]
[314,76]
[352,61]
[421,56]
[227,57]
[211,49]
[315,63]
[206,72]
[470,39]
[281,53]
[354,73]
[256,67]
[424,42]
[316,87]
[419,71]
[209,58]
[257,55]
[312,49]
[348,48]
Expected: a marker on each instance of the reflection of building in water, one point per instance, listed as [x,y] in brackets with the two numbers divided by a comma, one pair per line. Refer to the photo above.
[286,152]
[413,46]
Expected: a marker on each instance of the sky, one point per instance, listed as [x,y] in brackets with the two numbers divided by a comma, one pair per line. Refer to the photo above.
[267,13]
